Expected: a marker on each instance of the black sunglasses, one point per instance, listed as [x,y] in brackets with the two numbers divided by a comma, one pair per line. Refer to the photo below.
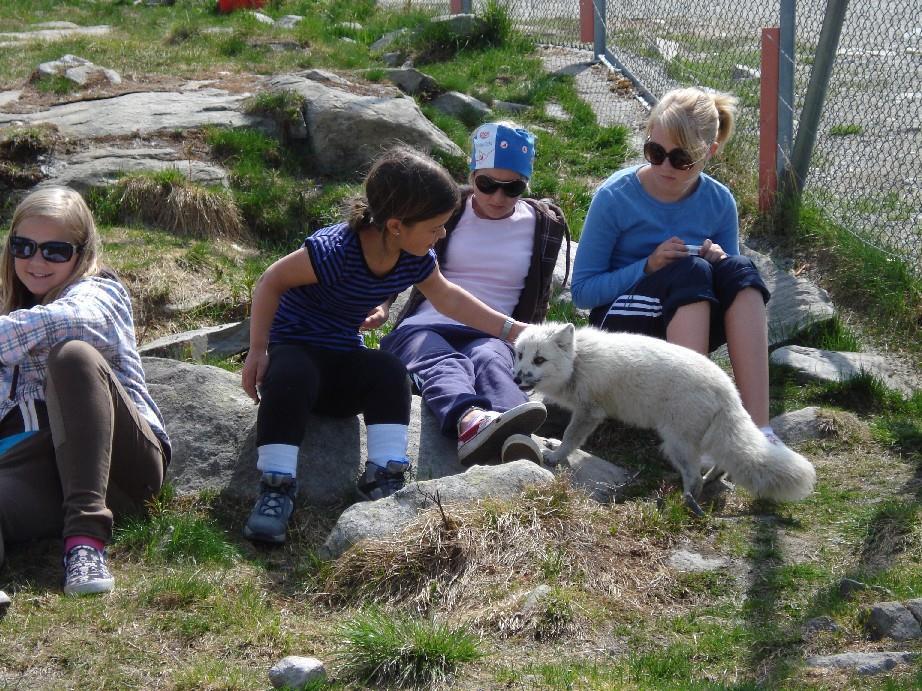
[678,157]
[55,251]
[512,188]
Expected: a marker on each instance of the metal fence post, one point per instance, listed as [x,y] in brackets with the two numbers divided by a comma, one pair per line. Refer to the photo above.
[467,6]
[788,26]
[598,24]
[796,177]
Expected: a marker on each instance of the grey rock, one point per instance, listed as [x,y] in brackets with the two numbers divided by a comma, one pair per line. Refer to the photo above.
[822,623]
[296,672]
[798,425]
[102,166]
[831,366]
[375,520]
[849,586]
[456,104]
[9,96]
[743,73]
[347,130]
[211,422]
[461,25]
[55,25]
[684,560]
[392,59]
[863,663]
[84,74]
[531,606]
[795,304]
[209,419]
[668,50]
[598,478]
[555,111]
[289,21]
[324,76]
[216,341]
[411,81]
[509,106]
[915,606]
[387,40]
[5,603]
[142,113]
[12,39]
[893,620]
[262,18]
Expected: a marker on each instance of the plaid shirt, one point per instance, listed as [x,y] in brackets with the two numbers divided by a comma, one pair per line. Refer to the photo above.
[96,310]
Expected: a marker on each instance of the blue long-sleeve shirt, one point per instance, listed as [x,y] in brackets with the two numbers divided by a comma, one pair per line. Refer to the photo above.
[625,224]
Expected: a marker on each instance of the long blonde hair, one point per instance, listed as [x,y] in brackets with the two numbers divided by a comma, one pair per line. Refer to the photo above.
[67,207]
[695,118]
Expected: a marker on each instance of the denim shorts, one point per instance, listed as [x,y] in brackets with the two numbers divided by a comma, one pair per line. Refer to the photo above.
[650,305]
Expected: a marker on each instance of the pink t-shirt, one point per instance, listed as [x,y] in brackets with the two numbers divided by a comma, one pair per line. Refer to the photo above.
[488,258]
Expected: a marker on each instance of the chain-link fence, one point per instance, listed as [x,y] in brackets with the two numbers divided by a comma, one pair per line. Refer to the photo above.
[866,168]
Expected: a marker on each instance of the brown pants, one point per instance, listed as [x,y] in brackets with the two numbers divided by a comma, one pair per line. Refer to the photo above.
[96,455]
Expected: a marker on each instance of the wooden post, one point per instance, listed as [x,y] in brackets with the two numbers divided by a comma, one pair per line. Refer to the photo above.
[586,24]
[768,119]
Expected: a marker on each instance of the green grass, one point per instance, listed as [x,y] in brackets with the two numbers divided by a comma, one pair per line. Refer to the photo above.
[380,648]
[845,130]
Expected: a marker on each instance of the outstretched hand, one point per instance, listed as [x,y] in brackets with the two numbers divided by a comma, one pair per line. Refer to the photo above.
[254,368]
[375,318]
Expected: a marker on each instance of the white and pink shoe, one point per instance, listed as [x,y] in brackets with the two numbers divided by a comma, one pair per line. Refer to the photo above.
[480,440]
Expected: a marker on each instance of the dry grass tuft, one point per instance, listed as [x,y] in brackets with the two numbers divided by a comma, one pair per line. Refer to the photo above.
[171,202]
[484,561]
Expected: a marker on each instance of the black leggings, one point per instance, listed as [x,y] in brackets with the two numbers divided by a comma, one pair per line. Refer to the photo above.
[304,379]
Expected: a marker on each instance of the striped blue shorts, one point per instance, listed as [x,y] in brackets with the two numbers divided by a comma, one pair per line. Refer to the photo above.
[650,305]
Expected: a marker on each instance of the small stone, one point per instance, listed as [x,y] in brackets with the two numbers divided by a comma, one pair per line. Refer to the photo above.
[848,586]
[816,624]
[683,560]
[296,672]
[915,606]
[5,603]
[863,663]
[893,620]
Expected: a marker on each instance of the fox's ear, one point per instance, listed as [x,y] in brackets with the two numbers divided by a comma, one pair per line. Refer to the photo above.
[564,336]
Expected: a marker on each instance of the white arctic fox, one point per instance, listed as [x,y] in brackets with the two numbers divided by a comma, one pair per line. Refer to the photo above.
[649,383]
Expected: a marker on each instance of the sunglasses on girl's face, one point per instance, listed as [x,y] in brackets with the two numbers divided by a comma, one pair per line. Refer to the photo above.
[54,251]
[512,188]
[678,157]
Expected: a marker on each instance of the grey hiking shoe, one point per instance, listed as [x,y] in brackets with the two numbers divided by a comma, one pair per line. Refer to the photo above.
[377,482]
[85,571]
[521,447]
[268,521]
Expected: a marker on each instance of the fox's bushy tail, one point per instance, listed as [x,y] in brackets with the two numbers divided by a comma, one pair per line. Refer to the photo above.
[768,470]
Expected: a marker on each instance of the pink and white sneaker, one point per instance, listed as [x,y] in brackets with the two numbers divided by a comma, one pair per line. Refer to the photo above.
[481,440]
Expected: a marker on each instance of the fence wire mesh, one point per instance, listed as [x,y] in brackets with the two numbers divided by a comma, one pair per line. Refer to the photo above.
[866,168]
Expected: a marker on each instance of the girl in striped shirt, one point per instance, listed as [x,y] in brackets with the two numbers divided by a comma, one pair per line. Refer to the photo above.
[306,352]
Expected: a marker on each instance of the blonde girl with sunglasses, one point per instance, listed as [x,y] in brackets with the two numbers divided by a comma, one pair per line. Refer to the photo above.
[80,436]
[659,253]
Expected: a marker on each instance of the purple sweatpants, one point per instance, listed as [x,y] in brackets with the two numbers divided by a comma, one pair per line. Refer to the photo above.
[456,367]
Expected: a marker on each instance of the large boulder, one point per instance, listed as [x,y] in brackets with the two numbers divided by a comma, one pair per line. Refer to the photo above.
[102,166]
[796,303]
[376,520]
[348,130]
[142,113]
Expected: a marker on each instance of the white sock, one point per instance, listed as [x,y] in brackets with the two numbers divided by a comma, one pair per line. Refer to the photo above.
[278,458]
[387,443]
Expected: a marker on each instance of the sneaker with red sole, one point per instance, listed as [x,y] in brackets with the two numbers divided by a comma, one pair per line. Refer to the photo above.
[481,440]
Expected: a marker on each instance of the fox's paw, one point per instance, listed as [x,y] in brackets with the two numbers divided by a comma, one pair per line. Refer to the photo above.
[553,457]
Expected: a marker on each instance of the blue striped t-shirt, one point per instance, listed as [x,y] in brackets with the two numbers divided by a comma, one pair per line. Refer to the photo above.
[329,312]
